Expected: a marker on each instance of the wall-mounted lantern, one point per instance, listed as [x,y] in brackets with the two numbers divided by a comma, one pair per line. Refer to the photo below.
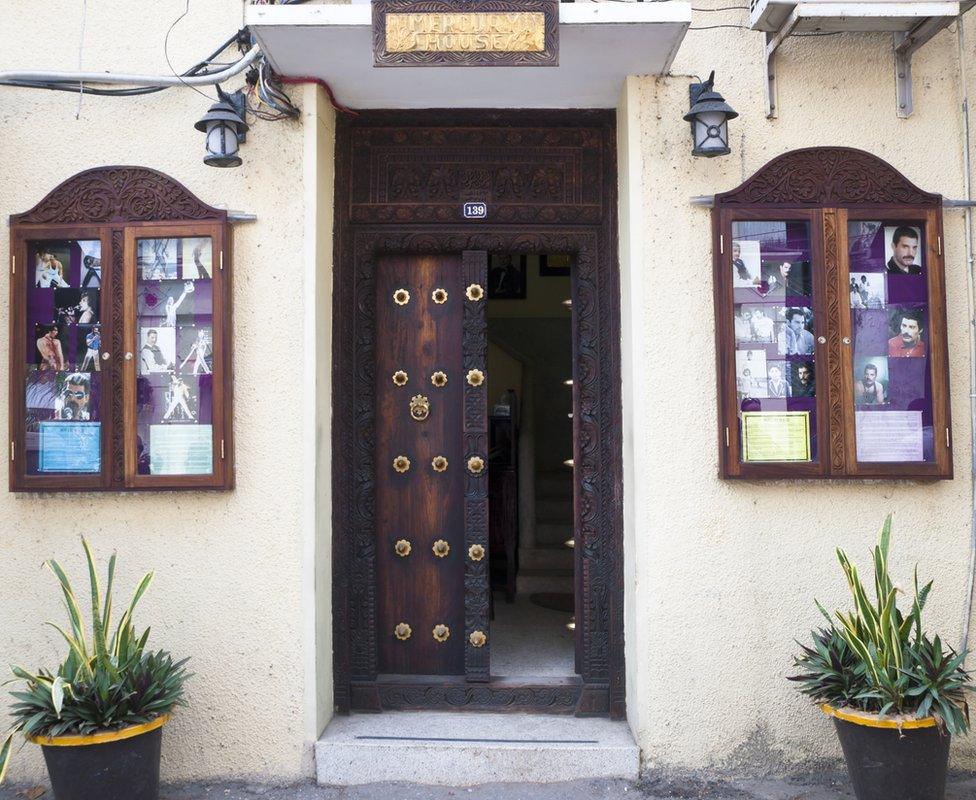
[225,128]
[709,116]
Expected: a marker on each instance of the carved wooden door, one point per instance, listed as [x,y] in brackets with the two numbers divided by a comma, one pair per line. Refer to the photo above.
[431,462]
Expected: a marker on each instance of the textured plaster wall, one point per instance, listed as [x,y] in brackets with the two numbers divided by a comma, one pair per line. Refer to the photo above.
[721,576]
[229,568]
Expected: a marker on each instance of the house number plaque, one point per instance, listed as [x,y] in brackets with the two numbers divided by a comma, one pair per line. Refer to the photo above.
[466,33]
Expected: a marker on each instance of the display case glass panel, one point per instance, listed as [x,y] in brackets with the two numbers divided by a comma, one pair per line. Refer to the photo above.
[775,318]
[62,388]
[174,330]
[890,341]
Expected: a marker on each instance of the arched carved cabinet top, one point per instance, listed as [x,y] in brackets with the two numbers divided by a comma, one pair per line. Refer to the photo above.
[831,177]
[119,195]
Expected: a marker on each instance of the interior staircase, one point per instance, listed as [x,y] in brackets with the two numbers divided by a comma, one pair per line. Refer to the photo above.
[548,567]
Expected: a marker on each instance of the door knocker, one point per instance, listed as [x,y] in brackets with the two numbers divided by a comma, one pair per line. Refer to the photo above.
[439,296]
[400,378]
[477,638]
[439,379]
[402,548]
[401,297]
[475,377]
[402,631]
[441,633]
[419,407]
[401,464]
[476,465]
[441,548]
[476,552]
[439,464]
[474,292]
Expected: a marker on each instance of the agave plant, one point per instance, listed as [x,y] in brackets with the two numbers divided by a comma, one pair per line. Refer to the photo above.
[108,681]
[881,661]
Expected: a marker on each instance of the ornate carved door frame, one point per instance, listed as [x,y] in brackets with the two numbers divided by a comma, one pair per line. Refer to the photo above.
[549,179]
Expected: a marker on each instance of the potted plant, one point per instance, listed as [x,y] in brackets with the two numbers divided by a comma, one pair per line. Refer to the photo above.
[895,695]
[99,716]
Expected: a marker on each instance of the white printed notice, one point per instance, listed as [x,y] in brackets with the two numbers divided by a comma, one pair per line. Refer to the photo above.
[889,435]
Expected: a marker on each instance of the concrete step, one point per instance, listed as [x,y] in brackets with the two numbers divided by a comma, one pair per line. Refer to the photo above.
[529,582]
[461,749]
[546,559]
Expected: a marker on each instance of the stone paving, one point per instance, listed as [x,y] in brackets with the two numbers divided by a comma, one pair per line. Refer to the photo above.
[828,786]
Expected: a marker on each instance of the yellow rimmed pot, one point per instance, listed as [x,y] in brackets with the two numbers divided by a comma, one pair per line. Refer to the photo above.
[892,758]
[111,765]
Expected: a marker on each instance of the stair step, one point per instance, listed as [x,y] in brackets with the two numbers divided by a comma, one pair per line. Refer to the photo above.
[546,559]
[554,484]
[538,581]
[554,510]
[451,749]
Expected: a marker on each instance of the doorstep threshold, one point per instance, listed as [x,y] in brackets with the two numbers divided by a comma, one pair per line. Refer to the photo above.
[453,749]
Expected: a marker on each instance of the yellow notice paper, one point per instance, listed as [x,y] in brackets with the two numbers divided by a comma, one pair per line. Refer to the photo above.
[775,436]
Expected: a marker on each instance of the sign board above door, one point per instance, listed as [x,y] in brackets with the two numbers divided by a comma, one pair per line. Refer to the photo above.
[466,33]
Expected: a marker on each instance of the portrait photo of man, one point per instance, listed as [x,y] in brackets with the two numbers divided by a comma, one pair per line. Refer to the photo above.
[902,247]
[794,338]
[868,387]
[506,276]
[50,349]
[802,383]
[777,385]
[908,329]
[158,350]
[786,278]
[745,263]
[74,400]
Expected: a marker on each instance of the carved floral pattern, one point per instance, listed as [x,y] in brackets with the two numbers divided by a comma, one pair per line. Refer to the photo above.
[827,176]
[119,194]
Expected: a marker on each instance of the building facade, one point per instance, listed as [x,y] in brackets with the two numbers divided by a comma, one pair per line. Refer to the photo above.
[706,581]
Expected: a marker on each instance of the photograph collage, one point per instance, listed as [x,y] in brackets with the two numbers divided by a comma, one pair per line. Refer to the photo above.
[774,325]
[62,391]
[889,336]
[174,341]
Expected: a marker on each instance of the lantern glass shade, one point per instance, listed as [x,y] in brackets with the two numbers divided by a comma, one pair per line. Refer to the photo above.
[222,144]
[223,127]
[711,134]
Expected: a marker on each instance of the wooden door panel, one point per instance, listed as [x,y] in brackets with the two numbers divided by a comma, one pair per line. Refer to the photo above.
[421,505]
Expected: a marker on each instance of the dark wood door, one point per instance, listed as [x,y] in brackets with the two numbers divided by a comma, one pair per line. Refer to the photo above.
[431,465]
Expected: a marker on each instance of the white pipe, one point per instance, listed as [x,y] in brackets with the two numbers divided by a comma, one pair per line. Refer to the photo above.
[967,172]
[136,80]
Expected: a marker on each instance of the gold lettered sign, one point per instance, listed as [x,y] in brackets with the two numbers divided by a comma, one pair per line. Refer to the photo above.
[466,33]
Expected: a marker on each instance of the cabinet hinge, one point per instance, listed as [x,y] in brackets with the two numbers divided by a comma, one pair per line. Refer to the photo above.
[947,438]
[939,240]
[726,435]
[13,265]
[221,260]
[721,243]
[12,451]
[221,449]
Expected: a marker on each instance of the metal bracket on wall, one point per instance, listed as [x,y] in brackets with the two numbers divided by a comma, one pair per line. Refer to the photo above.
[773,40]
[905,45]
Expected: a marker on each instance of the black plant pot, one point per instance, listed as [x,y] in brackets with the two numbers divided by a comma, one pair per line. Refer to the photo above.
[123,765]
[887,764]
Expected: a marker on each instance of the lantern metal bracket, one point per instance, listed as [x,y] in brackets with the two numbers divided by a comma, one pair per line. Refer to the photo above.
[239,101]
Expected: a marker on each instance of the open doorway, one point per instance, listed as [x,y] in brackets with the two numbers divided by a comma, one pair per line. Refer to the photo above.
[530,405]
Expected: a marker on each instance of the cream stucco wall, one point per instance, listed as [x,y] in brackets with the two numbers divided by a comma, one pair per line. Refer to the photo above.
[721,576]
[235,571]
